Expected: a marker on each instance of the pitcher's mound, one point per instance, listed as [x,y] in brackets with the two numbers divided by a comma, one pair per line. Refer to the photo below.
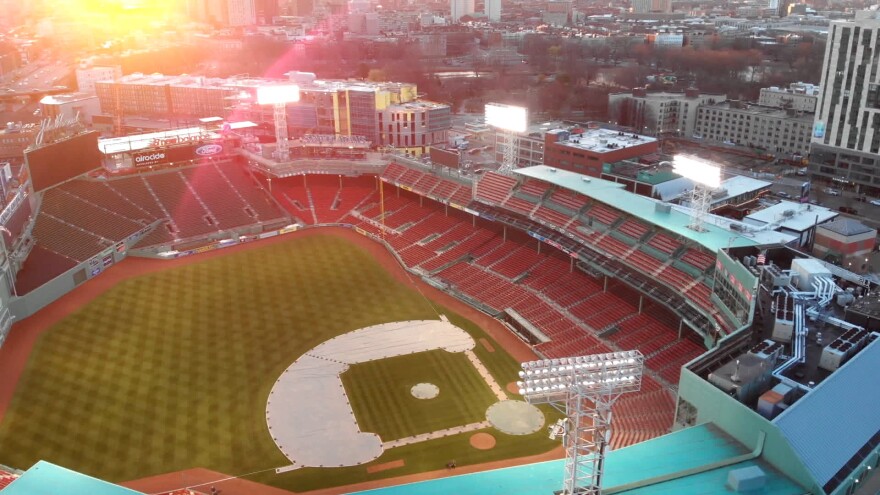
[482,441]
[515,417]
[513,388]
[425,391]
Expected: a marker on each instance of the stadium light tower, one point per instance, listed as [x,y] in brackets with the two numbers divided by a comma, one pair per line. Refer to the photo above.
[279,96]
[511,121]
[706,177]
[584,388]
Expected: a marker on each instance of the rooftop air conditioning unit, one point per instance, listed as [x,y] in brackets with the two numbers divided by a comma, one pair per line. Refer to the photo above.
[585,179]
[788,213]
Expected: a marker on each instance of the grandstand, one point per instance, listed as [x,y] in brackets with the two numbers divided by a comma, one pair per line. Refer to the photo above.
[91,217]
[589,267]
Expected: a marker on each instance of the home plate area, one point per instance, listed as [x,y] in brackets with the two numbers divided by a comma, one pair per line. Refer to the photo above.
[310,416]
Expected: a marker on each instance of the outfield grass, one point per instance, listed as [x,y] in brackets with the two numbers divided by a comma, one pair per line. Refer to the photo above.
[379,392]
[172,370]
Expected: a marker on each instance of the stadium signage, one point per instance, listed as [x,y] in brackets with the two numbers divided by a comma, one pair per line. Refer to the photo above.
[149,159]
[209,149]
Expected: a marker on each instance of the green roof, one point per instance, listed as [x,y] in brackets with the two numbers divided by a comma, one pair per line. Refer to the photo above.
[641,207]
[704,449]
[45,478]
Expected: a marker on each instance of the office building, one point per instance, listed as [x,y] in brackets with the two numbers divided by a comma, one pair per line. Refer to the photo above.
[492,9]
[846,132]
[71,105]
[385,114]
[651,6]
[87,75]
[241,13]
[777,131]
[586,150]
[460,8]
[799,96]
[659,113]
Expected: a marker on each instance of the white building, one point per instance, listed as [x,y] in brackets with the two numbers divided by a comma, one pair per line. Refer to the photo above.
[659,113]
[799,96]
[87,76]
[846,133]
[242,12]
[781,132]
[492,9]
[69,105]
[651,6]
[460,8]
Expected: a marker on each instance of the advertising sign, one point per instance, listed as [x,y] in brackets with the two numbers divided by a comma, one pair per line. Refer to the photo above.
[159,156]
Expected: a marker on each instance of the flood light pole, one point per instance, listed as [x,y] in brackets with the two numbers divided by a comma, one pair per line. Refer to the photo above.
[706,178]
[511,121]
[279,96]
[584,388]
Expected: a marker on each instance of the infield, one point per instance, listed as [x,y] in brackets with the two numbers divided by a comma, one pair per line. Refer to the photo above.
[172,370]
[382,402]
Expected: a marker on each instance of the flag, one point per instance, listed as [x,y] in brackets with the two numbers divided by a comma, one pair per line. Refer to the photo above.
[762,258]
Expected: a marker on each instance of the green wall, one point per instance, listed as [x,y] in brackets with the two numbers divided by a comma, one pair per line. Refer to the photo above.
[740,422]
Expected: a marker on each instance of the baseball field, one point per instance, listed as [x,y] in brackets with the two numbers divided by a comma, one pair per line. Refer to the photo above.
[171,370]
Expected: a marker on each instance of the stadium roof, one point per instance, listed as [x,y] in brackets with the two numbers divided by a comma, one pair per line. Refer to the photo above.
[829,425]
[704,446]
[644,208]
[45,478]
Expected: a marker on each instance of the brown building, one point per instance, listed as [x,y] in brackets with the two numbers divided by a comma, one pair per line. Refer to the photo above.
[845,241]
[586,150]
[15,138]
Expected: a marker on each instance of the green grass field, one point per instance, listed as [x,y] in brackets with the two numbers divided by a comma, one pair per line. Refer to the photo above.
[380,395]
[172,370]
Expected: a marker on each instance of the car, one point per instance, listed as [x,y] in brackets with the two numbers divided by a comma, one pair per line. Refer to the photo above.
[848,209]
[783,194]
[875,202]
[801,172]
[832,191]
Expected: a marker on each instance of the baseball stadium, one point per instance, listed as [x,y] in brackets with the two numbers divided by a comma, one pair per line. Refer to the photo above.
[184,314]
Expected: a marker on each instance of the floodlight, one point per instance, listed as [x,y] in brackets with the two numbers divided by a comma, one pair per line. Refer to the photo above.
[278,96]
[507,117]
[584,388]
[279,93]
[699,171]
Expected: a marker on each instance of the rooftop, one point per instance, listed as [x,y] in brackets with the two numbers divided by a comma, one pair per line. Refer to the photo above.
[603,140]
[66,98]
[739,185]
[669,456]
[796,217]
[45,478]
[846,226]
[846,411]
[676,220]
[669,95]
[761,110]
[134,142]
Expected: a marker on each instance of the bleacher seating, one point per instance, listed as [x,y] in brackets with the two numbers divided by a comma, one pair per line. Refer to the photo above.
[643,262]
[568,199]
[495,188]
[664,243]
[62,238]
[534,188]
[603,214]
[698,259]
[633,228]
[519,205]
[552,217]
